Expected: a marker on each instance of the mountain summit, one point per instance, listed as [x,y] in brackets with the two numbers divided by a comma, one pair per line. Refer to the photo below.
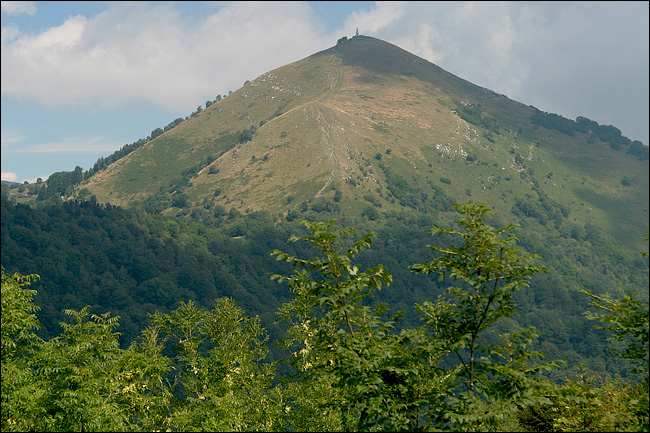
[369,128]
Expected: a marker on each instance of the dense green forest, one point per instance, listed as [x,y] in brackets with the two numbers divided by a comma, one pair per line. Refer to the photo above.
[132,264]
[455,360]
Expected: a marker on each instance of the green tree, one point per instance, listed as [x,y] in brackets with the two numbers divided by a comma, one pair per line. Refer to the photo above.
[490,271]
[180,200]
[18,339]
[626,318]
[81,380]
[5,191]
[353,371]
[75,373]
[220,382]
[588,403]
[370,212]
[145,394]
[18,315]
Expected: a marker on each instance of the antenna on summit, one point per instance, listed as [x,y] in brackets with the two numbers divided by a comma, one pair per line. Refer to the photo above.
[357,34]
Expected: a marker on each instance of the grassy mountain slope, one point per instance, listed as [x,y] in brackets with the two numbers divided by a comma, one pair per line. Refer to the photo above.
[367,124]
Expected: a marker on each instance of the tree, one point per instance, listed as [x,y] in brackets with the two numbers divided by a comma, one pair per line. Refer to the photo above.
[197,111]
[74,376]
[590,404]
[156,133]
[490,271]
[18,314]
[143,373]
[626,318]
[638,149]
[370,212]
[82,381]
[221,381]
[18,339]
[180,200]
[5,191]
[352,370]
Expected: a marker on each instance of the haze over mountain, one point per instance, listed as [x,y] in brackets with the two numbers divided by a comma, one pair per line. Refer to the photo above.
[366,125]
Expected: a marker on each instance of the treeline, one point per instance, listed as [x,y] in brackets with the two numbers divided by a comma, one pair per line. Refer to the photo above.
[102,163]
[62,184]
[465,366]
[605,133]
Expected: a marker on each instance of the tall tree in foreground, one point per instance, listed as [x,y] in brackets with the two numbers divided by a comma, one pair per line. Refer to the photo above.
[18,324]
[75,374]
[627,318]
[484,271]
[215,380]
[593,403]
[353,371]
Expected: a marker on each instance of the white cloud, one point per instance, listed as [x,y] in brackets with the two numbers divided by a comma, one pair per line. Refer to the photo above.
[10,139]
[9,177]
[13,177]
[14,143]
[18,8]
[141,52]
[374,21]
[9,33]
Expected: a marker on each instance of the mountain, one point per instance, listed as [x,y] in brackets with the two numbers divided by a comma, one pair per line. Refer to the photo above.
[364,133]
[366,125]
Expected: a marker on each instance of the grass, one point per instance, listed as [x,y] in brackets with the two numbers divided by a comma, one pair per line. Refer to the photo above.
[320,122]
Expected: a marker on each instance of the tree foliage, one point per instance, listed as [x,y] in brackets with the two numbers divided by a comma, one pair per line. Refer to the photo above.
[342,349]
[349,366]
[490,272]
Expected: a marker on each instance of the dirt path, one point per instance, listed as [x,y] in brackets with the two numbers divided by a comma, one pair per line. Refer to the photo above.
[326,127]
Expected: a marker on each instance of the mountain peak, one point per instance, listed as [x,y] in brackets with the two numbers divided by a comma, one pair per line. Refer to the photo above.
[369,128]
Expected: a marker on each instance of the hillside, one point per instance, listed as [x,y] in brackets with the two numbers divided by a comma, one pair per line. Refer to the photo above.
[364,133]
[367,125]
[167,278]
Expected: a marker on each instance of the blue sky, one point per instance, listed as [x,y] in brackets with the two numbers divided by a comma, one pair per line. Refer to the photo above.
[82,79]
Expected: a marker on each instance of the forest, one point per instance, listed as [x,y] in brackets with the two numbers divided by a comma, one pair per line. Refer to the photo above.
[336,358]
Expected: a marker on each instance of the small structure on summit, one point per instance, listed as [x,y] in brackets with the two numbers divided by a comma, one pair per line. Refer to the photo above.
[345,38]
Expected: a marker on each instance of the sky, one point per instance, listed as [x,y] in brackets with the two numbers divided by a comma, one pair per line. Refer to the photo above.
[82,79]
